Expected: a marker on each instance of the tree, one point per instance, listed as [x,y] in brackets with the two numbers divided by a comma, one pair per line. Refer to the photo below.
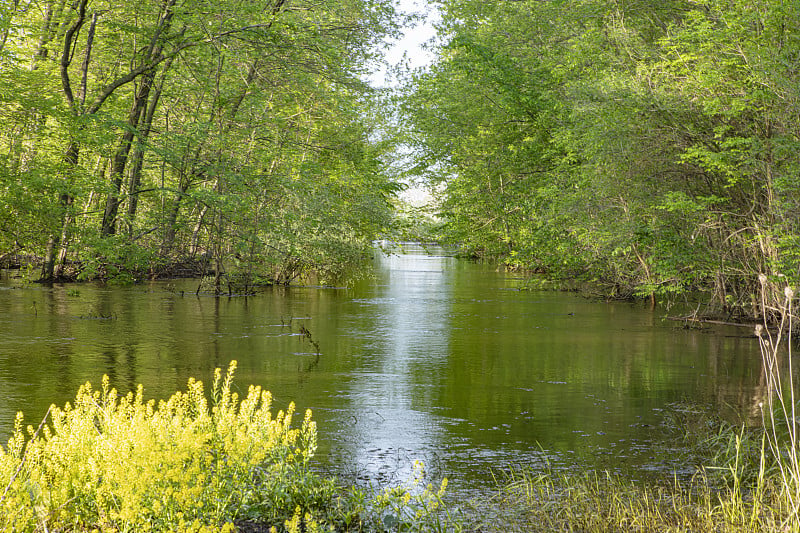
[646,147]
[183,129]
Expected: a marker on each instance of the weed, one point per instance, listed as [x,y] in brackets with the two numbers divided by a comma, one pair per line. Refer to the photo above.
[779,407]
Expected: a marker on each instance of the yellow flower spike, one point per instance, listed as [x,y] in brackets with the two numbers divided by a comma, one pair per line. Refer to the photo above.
[443,487]
[293,525]
[311,524]
[150,449]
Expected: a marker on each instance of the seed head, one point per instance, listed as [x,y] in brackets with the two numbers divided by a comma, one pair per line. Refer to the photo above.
[759,329]
[789,292]
[762,278]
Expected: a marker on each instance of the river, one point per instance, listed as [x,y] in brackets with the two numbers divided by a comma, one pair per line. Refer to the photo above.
[435,359]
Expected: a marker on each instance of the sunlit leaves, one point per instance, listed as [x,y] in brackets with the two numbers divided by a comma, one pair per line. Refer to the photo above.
[658,140]
[247,116]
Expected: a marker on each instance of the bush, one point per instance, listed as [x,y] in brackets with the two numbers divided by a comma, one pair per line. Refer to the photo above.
[122,464]
[112,463]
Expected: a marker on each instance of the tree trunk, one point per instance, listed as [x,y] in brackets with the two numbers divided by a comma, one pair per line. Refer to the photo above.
[151,56]
[139,150]
[51,270]
[49,28]
[49,260]
[172,218]
[195,246]
[53,267]
[109,226]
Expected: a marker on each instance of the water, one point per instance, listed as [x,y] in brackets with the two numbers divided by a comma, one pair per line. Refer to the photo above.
[436,359]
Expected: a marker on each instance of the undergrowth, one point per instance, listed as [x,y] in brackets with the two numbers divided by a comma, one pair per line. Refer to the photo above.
[119,463]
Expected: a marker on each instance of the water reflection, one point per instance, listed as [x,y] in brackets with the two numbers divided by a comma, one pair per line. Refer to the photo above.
[406,346]
[436,359]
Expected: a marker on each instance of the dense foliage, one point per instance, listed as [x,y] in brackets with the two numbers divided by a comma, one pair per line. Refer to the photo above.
[238,135]
[647,147]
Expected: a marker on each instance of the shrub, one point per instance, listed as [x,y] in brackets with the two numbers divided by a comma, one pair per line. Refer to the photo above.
[122,464]
[111,463]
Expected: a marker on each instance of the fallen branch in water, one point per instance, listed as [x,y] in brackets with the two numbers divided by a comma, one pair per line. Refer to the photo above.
[750,325]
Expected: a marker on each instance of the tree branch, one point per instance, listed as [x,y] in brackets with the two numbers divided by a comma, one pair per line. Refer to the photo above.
[66,55]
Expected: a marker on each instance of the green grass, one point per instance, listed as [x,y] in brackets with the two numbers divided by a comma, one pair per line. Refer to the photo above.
[549,502]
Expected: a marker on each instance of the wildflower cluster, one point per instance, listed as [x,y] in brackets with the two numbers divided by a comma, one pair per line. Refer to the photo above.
[121,463]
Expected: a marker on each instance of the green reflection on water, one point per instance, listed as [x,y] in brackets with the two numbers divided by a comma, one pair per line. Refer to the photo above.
[436,359]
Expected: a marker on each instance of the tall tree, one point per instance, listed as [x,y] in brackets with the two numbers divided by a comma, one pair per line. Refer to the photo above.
[191,125]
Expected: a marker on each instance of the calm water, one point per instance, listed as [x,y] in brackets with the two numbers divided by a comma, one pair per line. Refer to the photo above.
[436,359]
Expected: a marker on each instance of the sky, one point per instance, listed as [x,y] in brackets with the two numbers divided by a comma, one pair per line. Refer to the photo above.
[410,44]
[409,48]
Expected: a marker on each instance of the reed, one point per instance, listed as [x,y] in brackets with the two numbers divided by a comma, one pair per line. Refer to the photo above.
[779,407]
[597,502]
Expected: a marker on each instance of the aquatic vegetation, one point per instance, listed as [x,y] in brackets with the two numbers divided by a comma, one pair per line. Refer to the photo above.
[779,408]
[119,463]
[598,502]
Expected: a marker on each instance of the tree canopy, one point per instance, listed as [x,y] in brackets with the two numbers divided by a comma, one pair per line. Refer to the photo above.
[648,148]
[238,134]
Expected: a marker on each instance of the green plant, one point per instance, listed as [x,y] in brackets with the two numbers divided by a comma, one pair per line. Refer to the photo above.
[779,413]
[595,502]
[121,463]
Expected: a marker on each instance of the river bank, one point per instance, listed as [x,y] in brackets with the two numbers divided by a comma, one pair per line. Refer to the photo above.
[29,266]
[236,464]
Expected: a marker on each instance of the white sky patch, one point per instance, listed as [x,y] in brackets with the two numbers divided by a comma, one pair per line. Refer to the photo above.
[409,50]
[409,47]
[416,196]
